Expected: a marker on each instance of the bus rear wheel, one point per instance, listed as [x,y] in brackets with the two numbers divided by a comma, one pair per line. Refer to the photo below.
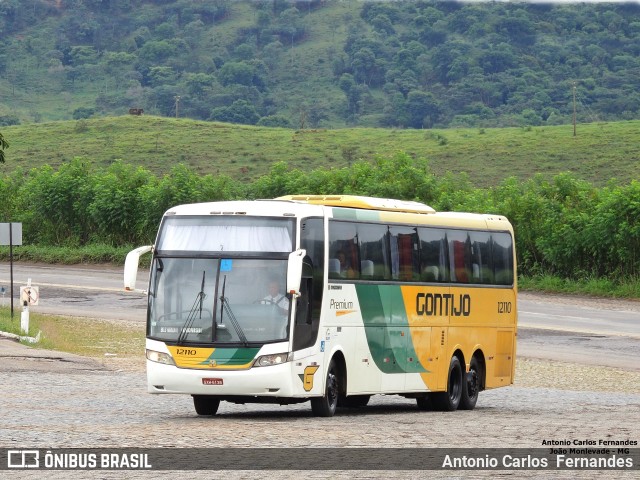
[325,406]
[205,405]
[471,386]
[448,401]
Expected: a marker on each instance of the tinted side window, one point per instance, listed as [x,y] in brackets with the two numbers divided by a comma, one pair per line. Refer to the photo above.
[343,250]
[434,266]
[460,256]
[312,240]
[374,253]
[503,258]
[405,253]
[481,262]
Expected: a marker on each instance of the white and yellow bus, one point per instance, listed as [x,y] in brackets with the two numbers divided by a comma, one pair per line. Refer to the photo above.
[330,299]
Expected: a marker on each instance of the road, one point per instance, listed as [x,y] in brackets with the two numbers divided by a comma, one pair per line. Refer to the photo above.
[587,331]
[564,328]
[78,290]
[55,400]
[575,314]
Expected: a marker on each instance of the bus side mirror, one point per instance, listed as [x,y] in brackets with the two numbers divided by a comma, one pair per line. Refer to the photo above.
[131,266]
[294,271]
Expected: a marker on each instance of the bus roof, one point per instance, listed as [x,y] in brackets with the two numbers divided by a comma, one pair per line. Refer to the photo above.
[367,203]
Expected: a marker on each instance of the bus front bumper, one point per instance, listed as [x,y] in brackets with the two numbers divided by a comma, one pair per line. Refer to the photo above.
[272,381]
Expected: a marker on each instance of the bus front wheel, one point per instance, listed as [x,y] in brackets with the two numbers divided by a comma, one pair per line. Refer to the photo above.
[325,406]
[448,401]
[205,404]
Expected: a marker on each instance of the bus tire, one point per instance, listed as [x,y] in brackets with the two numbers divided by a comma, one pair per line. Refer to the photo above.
[471,386]
[205,405]
[325,406]
[354,401]
[448,401]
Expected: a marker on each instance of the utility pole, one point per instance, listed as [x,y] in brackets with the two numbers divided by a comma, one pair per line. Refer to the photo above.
[574,109]
[177,99]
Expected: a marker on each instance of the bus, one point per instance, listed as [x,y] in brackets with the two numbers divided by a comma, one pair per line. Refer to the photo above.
[329,299]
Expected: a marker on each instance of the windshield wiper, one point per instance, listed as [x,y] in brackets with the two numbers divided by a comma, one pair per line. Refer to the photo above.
[184,332]
[232,317]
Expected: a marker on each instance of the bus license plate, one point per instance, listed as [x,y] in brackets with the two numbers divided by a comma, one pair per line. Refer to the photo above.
[212,381]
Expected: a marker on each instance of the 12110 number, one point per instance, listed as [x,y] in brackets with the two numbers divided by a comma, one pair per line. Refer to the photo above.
[504,307]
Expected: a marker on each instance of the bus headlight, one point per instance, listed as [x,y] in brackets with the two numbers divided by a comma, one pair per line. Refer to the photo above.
[274,359]
[160,357]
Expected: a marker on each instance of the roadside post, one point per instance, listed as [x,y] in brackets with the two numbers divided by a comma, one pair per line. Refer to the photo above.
[24,319]
[11,234]
[29,295]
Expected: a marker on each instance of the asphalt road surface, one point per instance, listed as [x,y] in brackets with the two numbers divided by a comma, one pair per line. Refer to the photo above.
[565,328]
[564,391]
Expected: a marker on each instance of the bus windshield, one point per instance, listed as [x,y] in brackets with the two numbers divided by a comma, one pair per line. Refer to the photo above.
[218,300]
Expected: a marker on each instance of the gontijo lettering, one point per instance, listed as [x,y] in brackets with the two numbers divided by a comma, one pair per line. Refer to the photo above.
[439,304]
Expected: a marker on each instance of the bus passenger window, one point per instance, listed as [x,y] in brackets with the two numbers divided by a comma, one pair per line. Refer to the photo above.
[433,255]
[405,257]
[372,239]
[460,256]
[502,258]
[482,265]
[343,247]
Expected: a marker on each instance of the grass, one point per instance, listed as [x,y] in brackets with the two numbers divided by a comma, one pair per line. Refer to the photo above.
[597,287]
[92,253]
[599,153]
[81,336]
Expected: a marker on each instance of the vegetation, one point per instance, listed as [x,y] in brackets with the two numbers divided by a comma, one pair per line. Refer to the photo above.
[596,287]
[320,63]
[3,144]
[564,226]
[599,152]
[70,255]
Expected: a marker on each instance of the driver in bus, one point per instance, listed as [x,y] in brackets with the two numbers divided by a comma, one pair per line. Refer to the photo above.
[275,297]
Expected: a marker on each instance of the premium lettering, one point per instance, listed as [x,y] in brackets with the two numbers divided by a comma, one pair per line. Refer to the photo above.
[340,304]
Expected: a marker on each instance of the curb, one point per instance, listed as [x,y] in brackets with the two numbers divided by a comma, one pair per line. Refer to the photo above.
[21,338]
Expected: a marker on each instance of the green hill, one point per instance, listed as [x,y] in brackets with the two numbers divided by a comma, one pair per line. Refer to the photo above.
[321,63]
[598,153]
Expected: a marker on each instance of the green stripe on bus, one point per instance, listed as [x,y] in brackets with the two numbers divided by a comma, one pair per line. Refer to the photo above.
[232,356]
[387,330]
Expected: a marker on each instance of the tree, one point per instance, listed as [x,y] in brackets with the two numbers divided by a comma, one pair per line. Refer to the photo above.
[275,121]
[422,109]
[239,111]
[83,112]
[3,145]
[8,120]
[240,73]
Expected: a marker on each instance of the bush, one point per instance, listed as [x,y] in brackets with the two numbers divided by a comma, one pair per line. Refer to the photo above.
[563,226]
[8,120]
[83,112]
